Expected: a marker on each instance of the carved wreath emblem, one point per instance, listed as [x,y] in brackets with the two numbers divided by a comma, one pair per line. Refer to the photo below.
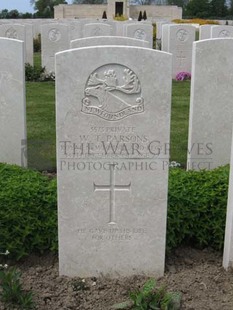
[182,35]
[224,34]
[54,35]
[11,33]
[113,92]
[140,34]
[97,32]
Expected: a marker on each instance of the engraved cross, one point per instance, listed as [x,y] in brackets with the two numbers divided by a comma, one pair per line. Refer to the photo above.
[181,58]
[112,188]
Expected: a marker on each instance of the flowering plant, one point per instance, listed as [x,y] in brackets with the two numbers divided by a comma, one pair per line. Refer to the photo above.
[182,76]
[174,164]
[1,265]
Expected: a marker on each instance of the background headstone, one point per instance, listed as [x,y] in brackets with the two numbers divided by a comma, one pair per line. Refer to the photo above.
[164,42]
[211,113]
[14,31]
[97,30]
[29,44]
[13,146]
[205,32]
[112,132]
[180,41]
[221,31]
[54,38]
[75,30]
[139,31]
[159,25]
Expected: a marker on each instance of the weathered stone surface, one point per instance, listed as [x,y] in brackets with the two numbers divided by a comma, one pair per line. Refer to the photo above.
[205,32]
[75,30]
[112,151]
[164,42]
[29,44]
[108,40]
[159,25]
[12,103]
[211,115]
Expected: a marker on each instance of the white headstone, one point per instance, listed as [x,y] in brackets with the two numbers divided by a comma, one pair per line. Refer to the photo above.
[112,135]
[114,40]
[12,103]
[97,29]
[205,32]
[221,31]
[54,38]
[139,31]
[29,44]
[159,25]
[228,243]
[14,31]
[180,42]
[164,42]
[211,113]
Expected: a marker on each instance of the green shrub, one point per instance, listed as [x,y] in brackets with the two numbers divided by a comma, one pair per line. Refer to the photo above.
[37,74]
[150,297]
[33,73]
[37,44]
[28,211]
[197,207]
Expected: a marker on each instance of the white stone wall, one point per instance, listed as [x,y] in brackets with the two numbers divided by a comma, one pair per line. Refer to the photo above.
[80,11]
[168,12]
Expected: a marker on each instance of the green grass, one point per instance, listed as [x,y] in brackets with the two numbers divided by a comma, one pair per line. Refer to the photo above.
[41,123]
[180,121]
[37,59]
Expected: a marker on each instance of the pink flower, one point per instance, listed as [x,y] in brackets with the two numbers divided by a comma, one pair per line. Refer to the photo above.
[182,76]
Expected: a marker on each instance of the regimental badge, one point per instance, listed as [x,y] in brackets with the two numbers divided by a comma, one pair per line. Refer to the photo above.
[113,92]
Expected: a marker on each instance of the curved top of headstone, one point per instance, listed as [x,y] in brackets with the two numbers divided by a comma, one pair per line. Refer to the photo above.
[108,40]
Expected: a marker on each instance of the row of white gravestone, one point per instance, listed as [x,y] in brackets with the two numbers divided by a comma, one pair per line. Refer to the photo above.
[178,39]
[22,33]
[112,150]
[112,192]
[76,25]
[111,175]
[215,31]
[57,37]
